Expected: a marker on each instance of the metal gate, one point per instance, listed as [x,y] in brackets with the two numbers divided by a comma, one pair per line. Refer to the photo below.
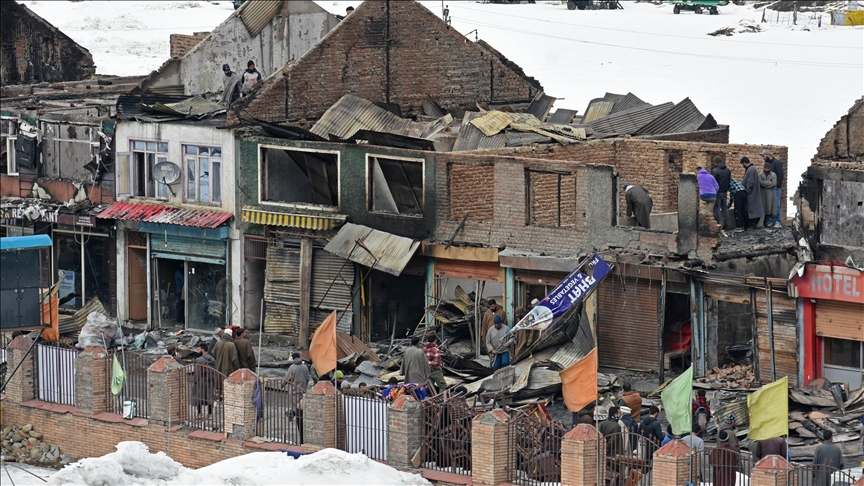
[134,388]
[629,459]
[201,398]
[721,466]
[55,372]
[818,475]
[283,420]
[365,425]
[535,447]
[447,434]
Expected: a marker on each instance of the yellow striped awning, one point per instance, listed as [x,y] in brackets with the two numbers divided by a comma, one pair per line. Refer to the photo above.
[320,221]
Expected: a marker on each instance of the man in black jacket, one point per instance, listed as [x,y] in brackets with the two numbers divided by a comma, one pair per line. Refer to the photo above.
[651,429]
[721,209]
[776,168]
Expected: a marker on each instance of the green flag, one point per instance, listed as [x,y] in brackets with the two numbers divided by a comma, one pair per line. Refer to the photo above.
[769,410]
[118,377]
[677,400]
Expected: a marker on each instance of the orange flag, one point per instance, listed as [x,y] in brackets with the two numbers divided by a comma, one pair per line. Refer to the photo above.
[322,350]
[579,382]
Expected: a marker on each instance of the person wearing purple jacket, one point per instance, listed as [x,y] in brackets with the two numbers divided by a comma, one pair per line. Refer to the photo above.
[708,188]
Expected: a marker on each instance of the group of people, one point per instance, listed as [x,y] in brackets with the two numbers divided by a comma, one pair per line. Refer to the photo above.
[622,427]
[234,85]
[755,200]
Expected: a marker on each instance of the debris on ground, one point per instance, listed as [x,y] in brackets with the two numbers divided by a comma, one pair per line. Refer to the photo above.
[729,377]
[24,445]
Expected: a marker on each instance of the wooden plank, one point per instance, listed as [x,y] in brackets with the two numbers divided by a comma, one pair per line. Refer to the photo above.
[305,291]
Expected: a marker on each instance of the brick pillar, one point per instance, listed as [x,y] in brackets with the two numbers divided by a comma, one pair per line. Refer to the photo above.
[490,447]
[319,417]
[240,411]
[672,464]
[583,457]
[773,471]
[92,383]
[163,396]
[20,387]
[404,431]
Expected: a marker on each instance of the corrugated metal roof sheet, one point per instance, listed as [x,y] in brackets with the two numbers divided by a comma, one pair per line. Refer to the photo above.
[628,102]
[494,122]
[129,106]
[256,14]
[562,116]
[471,138]
[195,107]
[627,122]
[684,117]
[391,252]
[322,221]
[540,105]
[597,109]
[351,114]
[154,213]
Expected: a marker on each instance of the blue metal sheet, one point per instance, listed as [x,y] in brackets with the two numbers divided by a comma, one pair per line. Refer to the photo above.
[9,243]
[190,249]
[220,233]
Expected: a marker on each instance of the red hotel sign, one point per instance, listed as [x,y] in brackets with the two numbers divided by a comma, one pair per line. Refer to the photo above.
[830,282]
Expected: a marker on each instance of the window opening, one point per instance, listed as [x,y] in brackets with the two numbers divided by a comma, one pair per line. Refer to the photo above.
[8,162]
[396,186]
[294,176]
[551,198]
[145,155]
[203,174]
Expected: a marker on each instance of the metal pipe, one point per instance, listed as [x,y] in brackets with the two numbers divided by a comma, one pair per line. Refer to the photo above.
[22,361]
[260,333]
[770,330]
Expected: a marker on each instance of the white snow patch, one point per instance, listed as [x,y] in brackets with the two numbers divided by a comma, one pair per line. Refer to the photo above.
[133,464]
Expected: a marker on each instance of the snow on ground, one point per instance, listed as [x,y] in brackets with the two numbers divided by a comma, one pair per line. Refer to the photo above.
[134,464]
[786,85]
[22,474]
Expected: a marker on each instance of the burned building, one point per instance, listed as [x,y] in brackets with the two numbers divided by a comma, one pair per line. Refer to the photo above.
[829,282]
[34,51]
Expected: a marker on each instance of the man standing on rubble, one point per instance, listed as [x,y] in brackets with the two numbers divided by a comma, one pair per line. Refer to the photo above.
[498,344]
[489,316]
[755,211]
[729,423]
[639,204]
[225,353]
[251,77]
[722,175]
[777,169]
[827,458]
[245,353]
[415,367]
[230,86]
[633,400]
[436,366]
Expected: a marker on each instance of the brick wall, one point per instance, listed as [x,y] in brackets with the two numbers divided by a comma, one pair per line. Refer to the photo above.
[34,51]
[470,188]
[424,56]
[181,43]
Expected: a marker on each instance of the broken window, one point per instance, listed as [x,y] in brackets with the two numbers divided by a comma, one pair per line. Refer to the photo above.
[396,186]
[145,155]
[551,199]
[203,173]
[296,176]
[8,164]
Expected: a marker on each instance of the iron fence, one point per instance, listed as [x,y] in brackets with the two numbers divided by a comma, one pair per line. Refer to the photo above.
[55,372]
[447,423]
[818,475]
[201,398]
[135,386]
[535,447]
[365,425]
[725,466]
[283,418]
[629,459]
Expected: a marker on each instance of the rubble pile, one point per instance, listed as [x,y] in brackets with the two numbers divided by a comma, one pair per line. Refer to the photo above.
[729,377]
[24,445]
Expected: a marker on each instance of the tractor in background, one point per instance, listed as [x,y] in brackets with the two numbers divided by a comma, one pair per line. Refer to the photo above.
[697,6]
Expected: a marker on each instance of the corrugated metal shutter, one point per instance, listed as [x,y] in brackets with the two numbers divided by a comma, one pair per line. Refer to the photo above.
[842,320]
[328,269]
[490,271]
[189,249]
[785,337]
[282,291]
[627,324]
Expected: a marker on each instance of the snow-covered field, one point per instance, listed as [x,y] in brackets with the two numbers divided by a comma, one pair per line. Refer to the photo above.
[785,85]
[133,463]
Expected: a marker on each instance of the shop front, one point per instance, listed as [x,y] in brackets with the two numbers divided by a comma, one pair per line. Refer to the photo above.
[184,254]
[832,296]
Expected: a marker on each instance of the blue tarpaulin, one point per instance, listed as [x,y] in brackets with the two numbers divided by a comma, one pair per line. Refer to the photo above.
[11,243]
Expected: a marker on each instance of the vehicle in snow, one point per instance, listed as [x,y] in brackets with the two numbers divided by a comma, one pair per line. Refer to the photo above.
[594,5]
[697,6]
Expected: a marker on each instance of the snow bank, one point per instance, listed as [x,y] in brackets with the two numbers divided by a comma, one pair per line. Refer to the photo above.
[134,464]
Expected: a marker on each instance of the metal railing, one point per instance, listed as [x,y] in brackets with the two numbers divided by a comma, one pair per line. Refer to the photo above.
[534,452]
[365,425]
[134,388]
[447,423]
[283,418]
[629,459]
[726,467]
[201,398]
[818,475]
[55,372]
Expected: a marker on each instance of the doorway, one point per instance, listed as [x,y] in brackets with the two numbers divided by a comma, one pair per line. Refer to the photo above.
[137,275]
[189,294]
[395,302]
